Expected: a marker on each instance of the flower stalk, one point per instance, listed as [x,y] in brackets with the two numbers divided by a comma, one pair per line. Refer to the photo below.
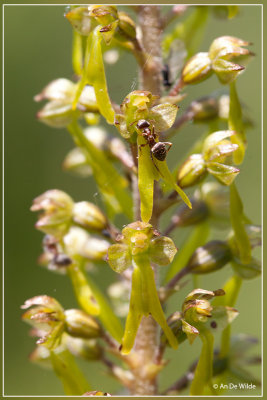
[136,183]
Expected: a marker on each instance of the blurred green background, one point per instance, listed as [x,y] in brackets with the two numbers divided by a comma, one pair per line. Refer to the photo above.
[37,42]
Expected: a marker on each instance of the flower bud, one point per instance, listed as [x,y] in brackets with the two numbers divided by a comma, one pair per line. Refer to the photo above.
[222,51]
[48,315]
[75,240]
[87,99]
[218,145]
[76,162]
[79,242]
[197,311]
[192,171]
[187,217]
[80,324]
[58,114]
[88,349]
[127,26]
[95,249]
[197,69]
[223,173]
[46,309]
[97,135]
[197,308]
[60,89]
[89,216]
[226,71]
[227,47]
[57,206]
[211,257]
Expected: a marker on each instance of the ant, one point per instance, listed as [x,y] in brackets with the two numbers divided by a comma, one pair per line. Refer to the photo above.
[166,76]
[157,149]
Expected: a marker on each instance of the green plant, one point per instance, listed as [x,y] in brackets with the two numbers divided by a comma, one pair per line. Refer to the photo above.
[132,174]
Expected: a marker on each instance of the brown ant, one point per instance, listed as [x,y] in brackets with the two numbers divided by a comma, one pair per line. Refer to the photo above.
[157,149]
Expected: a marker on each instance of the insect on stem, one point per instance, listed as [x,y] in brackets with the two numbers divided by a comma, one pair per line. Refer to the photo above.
[159,150]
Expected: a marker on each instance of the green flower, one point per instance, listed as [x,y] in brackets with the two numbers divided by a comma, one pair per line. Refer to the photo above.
[139,246]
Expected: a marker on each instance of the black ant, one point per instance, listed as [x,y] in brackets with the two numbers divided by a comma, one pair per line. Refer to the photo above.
[157,149]
[166,76]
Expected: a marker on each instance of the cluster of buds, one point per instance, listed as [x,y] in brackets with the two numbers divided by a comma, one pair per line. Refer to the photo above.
[58,256]
[79,242]
[198,314]
[68,227]
[140,246]
[50,320]
[114,24]
[216,148]
[60,212]
[217,60]
[60,93]
[139,104]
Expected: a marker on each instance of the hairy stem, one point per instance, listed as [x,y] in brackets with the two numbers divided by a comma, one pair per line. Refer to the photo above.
[150,23]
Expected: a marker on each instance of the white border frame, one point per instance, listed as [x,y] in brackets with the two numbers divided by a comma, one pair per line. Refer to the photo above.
[3,177]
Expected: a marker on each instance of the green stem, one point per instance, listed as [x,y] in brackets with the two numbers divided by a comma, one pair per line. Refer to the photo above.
[232,289]
[110,321]
[67,370]
[77,53]
[111,184]
[83,292]
[196,238]
[204,370]
[92,301]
